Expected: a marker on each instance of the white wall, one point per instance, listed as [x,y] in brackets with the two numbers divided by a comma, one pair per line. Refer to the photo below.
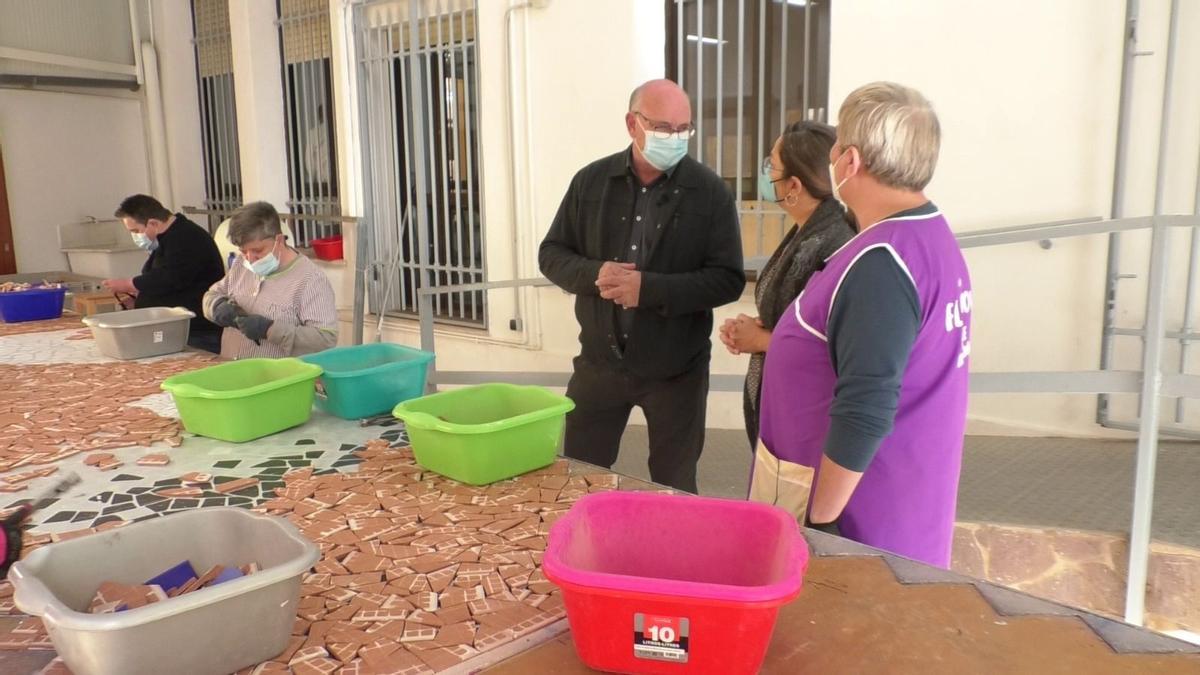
[66,157]
[1027,97]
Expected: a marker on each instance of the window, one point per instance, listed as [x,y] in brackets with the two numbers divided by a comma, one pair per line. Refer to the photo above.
[751,67]
[218,112]
[308,108]
[418,89]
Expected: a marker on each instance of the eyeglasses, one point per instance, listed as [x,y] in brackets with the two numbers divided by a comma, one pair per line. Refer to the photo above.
[767,166]
[664,130]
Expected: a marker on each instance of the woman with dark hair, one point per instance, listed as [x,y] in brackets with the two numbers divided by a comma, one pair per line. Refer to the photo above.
[796,176]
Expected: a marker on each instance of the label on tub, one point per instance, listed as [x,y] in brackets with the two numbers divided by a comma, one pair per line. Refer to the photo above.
[158,336]
[660,638]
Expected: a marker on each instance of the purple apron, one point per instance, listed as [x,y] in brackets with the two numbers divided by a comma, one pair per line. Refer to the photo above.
[906,499]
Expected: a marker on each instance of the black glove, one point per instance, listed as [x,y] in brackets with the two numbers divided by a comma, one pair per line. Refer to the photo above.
[226,312]
[254,326]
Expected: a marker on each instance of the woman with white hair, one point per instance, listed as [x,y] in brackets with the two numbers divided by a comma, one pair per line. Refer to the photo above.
[864,397]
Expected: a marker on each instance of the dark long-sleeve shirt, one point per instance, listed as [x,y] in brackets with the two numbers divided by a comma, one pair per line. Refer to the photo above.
[179,272]
[872,327]
[692,263]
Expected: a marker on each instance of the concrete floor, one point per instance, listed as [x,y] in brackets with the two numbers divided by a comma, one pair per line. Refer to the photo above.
[1049,482]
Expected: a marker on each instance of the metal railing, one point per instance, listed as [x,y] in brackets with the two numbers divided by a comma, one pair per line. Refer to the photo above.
[306,45]
[418,88]
[752,67]
[218,109]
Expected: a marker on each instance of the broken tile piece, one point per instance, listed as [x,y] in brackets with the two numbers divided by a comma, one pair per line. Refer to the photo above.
[156,459]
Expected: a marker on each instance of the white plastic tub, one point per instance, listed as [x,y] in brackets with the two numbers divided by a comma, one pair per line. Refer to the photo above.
[215,630]
[101,249]
[141,333]
[115,263]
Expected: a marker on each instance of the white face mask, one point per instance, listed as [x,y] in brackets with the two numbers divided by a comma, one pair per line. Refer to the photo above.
[264,265]
[834,181]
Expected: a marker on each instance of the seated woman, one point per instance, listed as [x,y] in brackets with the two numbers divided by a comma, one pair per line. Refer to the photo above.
[273,302]
[795,175]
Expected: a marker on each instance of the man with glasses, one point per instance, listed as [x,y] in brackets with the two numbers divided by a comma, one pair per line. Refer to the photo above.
[648,241]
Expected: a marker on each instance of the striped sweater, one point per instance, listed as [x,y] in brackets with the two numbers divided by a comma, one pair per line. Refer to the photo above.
[297,297]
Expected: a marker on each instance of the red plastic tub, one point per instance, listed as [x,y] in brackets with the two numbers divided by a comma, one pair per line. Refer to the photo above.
[658,583]
[328,248]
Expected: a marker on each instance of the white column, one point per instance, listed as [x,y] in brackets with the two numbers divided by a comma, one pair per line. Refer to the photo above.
[258,88]
[172,23]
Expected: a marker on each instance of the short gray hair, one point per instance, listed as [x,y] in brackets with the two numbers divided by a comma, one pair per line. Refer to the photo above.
[255,221]
[896,131]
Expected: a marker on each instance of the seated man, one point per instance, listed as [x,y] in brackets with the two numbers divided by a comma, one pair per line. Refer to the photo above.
[274,302]
[183,264]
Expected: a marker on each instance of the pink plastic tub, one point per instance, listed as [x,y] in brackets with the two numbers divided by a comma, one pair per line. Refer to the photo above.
[659,583]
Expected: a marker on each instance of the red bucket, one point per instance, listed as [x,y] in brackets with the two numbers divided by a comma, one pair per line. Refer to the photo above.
[674,584]
[328,248]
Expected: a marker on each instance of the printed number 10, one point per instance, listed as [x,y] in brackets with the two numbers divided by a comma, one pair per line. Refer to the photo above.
[662,634]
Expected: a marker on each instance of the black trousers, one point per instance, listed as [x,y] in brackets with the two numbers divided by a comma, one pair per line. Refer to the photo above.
[209,341]
[674,410]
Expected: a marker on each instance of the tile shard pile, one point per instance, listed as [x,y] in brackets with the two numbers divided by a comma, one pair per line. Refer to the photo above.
[51,412]
[418,574]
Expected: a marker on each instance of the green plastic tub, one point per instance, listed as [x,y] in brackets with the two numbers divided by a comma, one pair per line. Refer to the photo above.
[245,400]
[366,380]
[489,432]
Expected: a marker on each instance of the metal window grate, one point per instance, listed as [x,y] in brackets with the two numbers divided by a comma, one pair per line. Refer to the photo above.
[419,108]
[752,67]
[306,47]
[218,112]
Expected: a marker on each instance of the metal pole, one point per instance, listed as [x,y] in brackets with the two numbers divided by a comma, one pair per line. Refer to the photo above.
[397,204]
[517,322]
[416,107]
[741,69]
[783,49]
[1112,265]
[361,245]
[1152,377]
[700,81]
[762,96]
[720,88]
[444,237]
[807,55]
[296,158]
[680,41]
[429,162]
[425,317]
[452,112]
[468,106]
[1189,303]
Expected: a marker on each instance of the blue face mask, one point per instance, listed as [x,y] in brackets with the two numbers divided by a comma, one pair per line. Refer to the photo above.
[264,265]
[143,242]
[766,187]
[664,153]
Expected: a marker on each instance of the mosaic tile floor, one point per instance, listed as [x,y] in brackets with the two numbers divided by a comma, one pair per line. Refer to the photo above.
[131,492]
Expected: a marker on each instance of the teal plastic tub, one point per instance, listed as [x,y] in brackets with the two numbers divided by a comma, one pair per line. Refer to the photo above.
[366,380]
[245,400]
[489,432]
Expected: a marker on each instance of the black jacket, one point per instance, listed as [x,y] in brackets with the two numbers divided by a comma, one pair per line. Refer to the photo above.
[179,272]
[693,264]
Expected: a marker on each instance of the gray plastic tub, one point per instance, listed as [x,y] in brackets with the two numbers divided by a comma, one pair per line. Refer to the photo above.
[140,333]
[217,630]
